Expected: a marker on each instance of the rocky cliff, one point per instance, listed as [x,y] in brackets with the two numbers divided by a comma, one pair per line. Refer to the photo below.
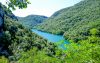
[4,11]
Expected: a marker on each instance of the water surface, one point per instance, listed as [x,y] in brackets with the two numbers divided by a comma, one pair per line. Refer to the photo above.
[52,38]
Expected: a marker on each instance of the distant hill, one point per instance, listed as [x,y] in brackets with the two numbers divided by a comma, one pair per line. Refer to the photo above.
[74,22]
[31,20]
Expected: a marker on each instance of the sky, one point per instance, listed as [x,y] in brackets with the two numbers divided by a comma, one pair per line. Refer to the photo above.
[43,7]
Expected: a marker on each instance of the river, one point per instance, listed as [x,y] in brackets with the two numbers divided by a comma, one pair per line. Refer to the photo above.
[52,38]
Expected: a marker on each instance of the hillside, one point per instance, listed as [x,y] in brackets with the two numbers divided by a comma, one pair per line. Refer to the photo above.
[17,40]
[4,11]
[31,20]
[18,44]
[74,22]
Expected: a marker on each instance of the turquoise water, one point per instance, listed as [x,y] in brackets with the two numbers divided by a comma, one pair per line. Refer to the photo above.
[52,38]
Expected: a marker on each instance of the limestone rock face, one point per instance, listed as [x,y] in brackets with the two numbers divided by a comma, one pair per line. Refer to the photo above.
[4,11]
[1,18]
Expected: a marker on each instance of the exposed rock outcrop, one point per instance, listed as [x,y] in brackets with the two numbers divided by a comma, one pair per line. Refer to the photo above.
[4,11]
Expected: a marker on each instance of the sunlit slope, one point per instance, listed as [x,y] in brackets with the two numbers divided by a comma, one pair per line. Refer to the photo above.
[74,21]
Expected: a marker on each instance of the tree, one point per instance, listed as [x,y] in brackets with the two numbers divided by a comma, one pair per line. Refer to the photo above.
[17,3]
[94,31]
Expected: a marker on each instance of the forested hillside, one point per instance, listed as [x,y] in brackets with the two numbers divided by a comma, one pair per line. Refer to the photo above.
[16,40]
[31,20]
[80,25]
[74,21]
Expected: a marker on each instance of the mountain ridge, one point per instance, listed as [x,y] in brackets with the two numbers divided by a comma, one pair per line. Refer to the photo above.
[73,20]
[31,20]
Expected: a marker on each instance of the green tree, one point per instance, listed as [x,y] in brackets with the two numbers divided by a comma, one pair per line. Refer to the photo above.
[17,3]
[3,59]
[94,31]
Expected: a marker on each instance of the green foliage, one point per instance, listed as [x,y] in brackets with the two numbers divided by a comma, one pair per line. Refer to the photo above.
[79,23]
[85,51]
[94,31]
[17,3]
[17,39]
[31,20]
[35,56]
[3,59]
[74,22]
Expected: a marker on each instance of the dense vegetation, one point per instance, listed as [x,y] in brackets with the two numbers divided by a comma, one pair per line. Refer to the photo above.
[12,4]
[74,21]
[31,20]
[20,45]
[86,52]
[80,24]
[15,39]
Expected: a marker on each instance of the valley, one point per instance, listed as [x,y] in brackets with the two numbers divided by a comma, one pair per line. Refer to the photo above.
[52,38]
[70,35]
